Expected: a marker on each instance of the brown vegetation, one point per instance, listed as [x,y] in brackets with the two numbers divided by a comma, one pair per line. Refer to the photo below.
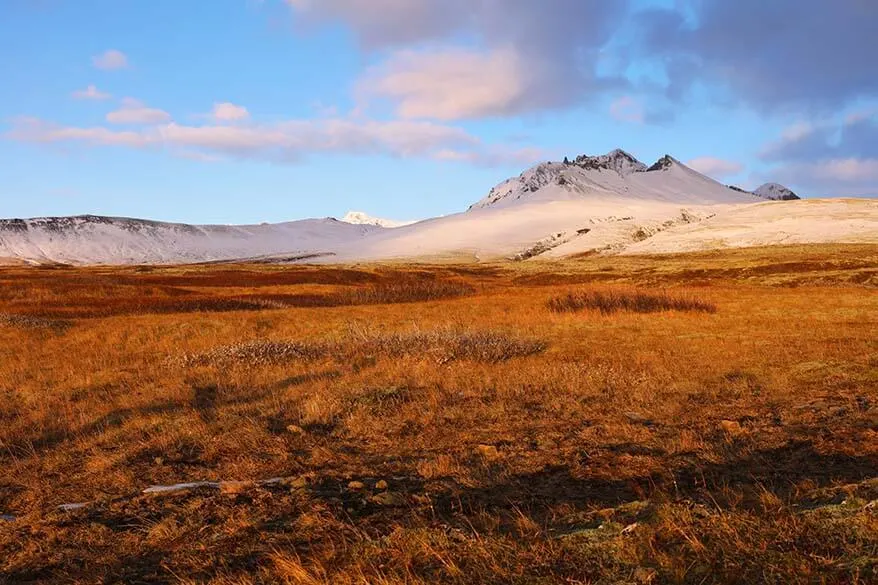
[417,425]
[613,301]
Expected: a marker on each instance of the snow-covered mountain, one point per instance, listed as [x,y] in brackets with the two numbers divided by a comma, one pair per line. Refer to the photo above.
[611,204]
[93,239]
[361,218]
[615,174]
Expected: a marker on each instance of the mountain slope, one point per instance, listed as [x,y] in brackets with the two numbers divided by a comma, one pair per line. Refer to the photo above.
[112,240]
[770,223]
[614,175]
[611,203]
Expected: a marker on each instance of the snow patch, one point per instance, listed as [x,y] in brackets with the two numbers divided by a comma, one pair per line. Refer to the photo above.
[361,218]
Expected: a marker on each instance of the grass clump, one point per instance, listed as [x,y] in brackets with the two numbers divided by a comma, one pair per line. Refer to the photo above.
[608,302]
[256,353]
[30,322]
[449,346]
[412,291]
[441,346]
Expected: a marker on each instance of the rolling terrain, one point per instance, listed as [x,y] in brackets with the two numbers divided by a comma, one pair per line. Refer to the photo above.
[709,418]
[608,204]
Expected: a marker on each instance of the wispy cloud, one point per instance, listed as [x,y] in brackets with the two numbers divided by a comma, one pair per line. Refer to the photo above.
[228,112]
[111,59]
[134,111]
[715,167]
[627,109]
[286,141]
[91,93]
[835,157]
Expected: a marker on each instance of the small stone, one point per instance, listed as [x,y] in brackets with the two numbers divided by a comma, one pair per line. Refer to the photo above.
[356,485]
[159,461]
[295,430]
[381,485]
[389,499]
[489,452]
[638,419]
[629,529]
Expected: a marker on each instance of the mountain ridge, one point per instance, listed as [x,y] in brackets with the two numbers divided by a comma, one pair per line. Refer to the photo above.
[606,203]
[615,174]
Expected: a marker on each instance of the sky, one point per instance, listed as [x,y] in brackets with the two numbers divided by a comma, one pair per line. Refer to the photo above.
[245,111]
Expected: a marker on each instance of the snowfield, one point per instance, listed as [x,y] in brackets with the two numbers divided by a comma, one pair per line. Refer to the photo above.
[106,240]
[612,204]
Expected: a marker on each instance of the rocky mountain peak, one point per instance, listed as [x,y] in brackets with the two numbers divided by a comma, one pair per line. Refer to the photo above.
[776,192]
[616,160]
[663,164]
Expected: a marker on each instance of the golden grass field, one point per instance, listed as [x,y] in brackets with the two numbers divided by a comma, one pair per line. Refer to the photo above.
[444,424]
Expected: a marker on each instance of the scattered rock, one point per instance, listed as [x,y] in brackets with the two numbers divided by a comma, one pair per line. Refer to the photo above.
[488,452]
[381,485]
[295,430]
[356,485]
[178,488]
[638,419]
[72,507]
[839,411]
[7,518]
[389,499]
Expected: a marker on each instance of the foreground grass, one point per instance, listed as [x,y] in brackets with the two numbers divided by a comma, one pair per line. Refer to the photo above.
[443,425]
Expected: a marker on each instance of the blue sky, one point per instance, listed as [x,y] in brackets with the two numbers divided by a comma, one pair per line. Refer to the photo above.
[246,111]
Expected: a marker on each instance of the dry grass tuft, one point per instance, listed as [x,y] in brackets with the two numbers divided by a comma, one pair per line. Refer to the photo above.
[608,302]
[30,322]
[411,291]
[256,353]
[443,346]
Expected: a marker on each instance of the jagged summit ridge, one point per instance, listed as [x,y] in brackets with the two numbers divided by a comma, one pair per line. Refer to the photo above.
[617,175]
[616,160]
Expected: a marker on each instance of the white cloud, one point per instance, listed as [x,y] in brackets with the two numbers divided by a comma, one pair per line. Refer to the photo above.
[449,85]
[627,109]
[91,93]
[286,141]
[848,170]
[849,177]
[529,56]
[494,156]
[228,112]
[134,111]
[715,167]
[36,130]
[110,60]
